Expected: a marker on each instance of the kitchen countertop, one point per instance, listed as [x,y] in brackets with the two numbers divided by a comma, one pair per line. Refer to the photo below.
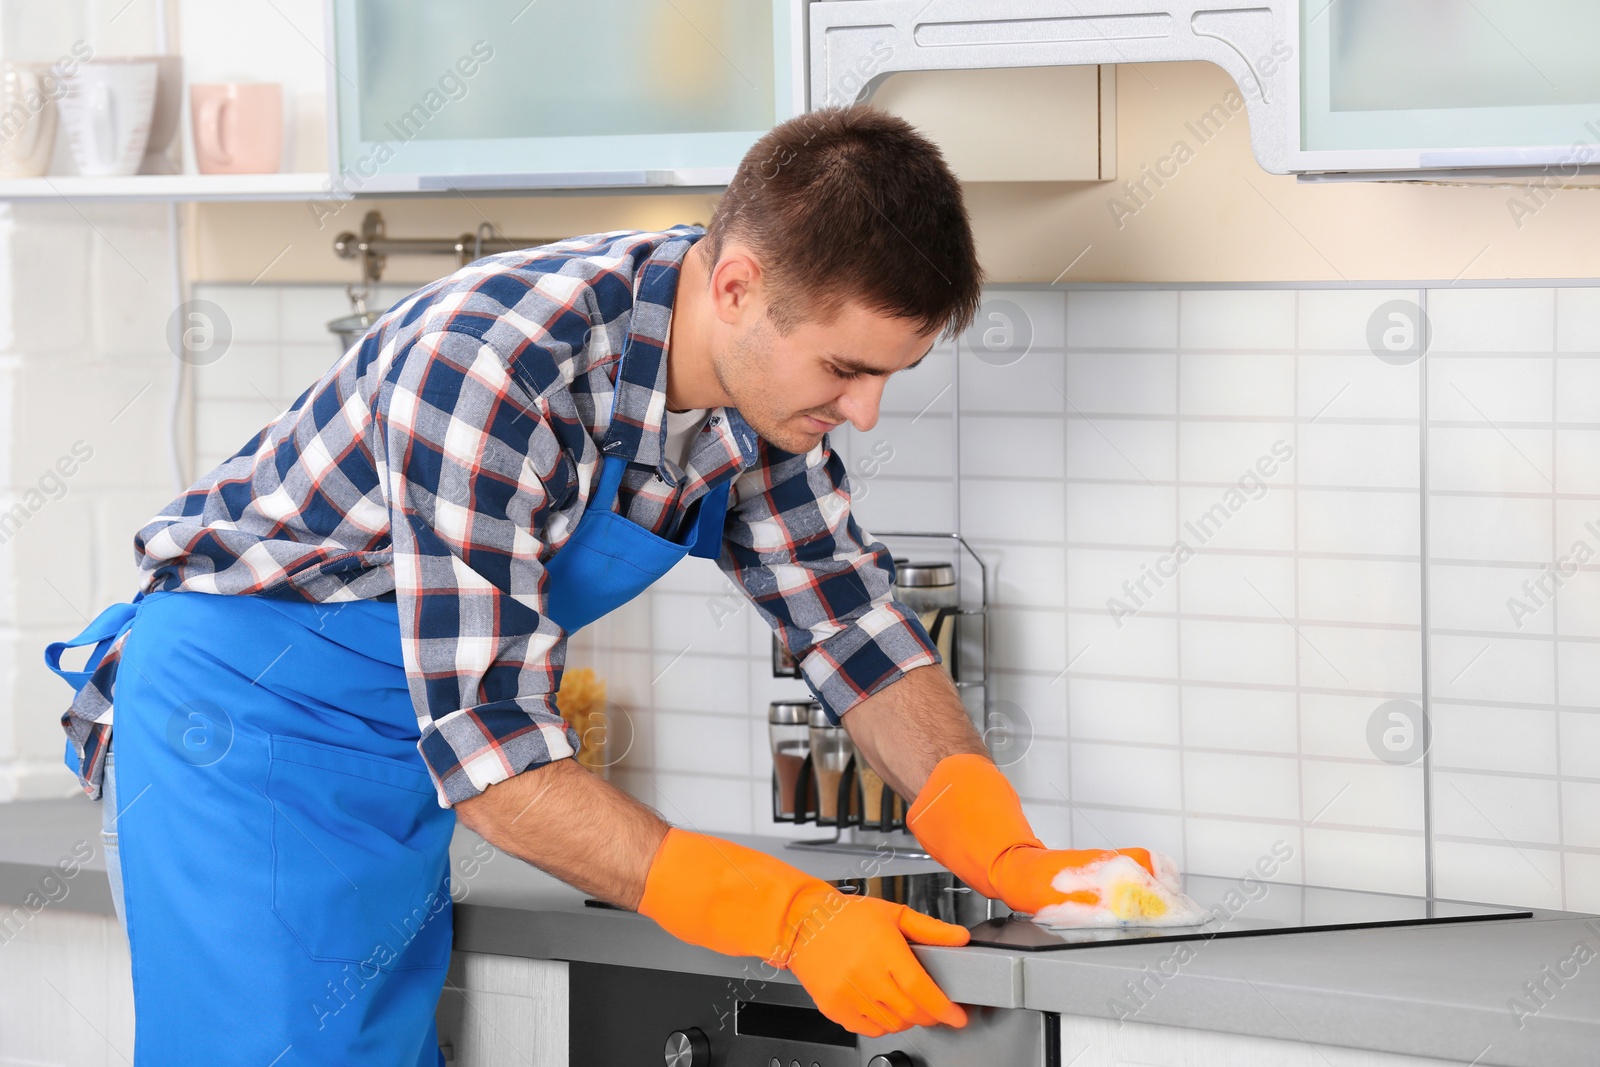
[1439,991]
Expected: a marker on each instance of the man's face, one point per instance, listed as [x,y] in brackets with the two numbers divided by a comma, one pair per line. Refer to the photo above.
[794,388]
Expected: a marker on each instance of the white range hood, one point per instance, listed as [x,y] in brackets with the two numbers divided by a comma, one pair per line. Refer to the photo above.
[1373,108]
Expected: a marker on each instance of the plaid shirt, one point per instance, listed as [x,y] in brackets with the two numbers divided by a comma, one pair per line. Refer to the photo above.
[452,451]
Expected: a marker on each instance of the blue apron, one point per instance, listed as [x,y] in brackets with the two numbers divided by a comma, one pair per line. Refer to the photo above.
[284,859]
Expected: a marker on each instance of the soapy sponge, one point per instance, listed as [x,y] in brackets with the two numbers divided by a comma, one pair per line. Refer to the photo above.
[1117,891]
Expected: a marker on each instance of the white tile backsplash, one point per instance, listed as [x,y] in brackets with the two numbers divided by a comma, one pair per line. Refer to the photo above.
[1520,876]
[1227,454]
[1246,385]
[1578,319]
[1010,510]
[1143,713]
[1496,808]
[1012,447]
[1518,319]
[1131,776]
[1496,738]
[1490,529]
[1490,459]
[1478,598]
[1106,449]
[1144,645]
[1211,785]
[1371,862]
[1500,460]
[1346,456]
[1121,383]
[1497,389]
[1131,577]
[1236,320]
[1358,522]
[1259,653]
[1028,576]
[1229,707]
[1378,592]
[1337,320]
[1362,794]
[1580,743]
[1249,720]
[1229,848]
[1037,316]
[1035,382]
[1237,584]
[1122,318]
[1578,389]
[1352,385]
[1128,515]
[1578,673]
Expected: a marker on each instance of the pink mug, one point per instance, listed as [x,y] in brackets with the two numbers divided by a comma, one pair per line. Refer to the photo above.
[238,127]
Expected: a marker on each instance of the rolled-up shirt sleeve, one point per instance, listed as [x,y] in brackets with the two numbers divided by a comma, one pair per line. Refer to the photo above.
[472,470]
[792,545]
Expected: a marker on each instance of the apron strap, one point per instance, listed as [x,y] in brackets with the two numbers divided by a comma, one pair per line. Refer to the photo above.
[708,526]
[605,494]
[110,624]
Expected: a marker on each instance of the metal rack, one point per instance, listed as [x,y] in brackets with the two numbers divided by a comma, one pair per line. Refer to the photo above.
[373,247]
[849,807]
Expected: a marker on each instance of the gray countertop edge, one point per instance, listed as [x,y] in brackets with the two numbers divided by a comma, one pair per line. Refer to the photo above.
[986,976]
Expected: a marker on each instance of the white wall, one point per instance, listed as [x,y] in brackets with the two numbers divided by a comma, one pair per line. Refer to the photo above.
[84,299]
[1231,709]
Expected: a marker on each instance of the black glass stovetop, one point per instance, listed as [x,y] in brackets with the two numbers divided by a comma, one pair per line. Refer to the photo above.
[1238,908]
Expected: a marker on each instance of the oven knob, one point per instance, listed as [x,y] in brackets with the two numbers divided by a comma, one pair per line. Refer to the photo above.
[688,1048]
[890,1059]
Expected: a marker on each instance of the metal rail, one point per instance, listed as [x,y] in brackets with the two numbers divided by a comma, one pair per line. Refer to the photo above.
[373,246]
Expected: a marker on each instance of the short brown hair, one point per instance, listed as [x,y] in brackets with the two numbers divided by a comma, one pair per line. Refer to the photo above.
[853,203]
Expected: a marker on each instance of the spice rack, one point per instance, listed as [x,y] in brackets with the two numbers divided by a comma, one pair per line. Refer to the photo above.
[849,803]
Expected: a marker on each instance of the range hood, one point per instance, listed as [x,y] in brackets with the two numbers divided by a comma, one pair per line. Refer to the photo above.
[1350,124]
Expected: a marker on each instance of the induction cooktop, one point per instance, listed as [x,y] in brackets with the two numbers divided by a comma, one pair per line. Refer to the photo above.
[1238,908]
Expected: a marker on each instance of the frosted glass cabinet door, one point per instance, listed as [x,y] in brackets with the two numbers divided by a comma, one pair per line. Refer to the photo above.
[1450,82]
[557,91]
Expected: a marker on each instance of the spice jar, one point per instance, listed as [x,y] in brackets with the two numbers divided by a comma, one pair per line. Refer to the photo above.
[875,795]
[831,750]
[929,589]
[789,725]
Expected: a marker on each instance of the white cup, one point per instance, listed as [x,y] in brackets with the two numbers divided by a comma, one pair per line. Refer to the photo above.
[168,108]
[27,119]
[106,113]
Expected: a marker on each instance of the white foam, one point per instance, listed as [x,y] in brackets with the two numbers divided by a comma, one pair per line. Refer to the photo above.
[1128,895]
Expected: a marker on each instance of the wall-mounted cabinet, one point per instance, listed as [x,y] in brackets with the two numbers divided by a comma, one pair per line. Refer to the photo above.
[1414,85]
[1031,124]
[520,94]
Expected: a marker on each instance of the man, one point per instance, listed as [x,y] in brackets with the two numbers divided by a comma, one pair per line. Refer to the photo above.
[395,564]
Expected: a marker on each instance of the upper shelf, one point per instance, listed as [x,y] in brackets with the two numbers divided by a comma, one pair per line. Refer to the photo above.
[319,186]
[167,187]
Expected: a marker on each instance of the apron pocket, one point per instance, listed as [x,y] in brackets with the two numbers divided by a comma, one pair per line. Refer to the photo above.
[360,856]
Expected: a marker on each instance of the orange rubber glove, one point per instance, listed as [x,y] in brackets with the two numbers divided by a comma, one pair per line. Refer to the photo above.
[970,819]
[850,953]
